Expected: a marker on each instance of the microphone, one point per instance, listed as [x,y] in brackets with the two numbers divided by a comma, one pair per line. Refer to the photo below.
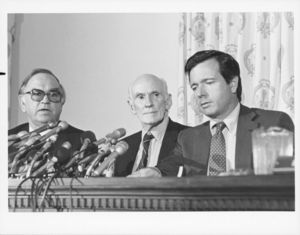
[104,146]
[61,126]
[64,153]
[28,157]
[18,136]
[120,148]
[112,137]
[103,152]
[23,142]
[116,134]
[94,157]
[18,140]
[13,167]
[87,138]
[22,150]
[39,153]
[23,168]
[38,130]
[84,162]
[61,157]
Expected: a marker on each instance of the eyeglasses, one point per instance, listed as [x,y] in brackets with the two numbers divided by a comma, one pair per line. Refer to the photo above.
[38,95]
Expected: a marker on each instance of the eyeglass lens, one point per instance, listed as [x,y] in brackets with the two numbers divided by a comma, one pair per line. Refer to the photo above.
[38,95]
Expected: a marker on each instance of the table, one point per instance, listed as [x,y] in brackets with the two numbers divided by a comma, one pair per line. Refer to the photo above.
[201,193]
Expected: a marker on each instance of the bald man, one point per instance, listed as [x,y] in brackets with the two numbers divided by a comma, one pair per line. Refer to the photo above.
[150,101]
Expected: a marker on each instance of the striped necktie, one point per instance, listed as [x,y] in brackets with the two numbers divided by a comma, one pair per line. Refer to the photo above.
[146,142]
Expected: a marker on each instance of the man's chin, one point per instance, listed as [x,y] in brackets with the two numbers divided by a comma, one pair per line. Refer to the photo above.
[208,112]
[45,120]
[152,122]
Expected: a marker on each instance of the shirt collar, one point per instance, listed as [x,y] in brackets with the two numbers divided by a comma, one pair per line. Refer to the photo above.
[159,130]
[41,133]
[230,121]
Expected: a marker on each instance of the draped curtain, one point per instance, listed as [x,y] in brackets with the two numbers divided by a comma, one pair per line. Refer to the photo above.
[11,30]
[263,45]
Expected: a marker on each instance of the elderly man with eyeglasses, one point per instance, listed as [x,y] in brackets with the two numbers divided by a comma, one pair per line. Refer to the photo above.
[41,97]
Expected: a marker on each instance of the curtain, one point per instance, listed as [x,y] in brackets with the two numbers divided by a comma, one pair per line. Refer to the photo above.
[262,43]
[11,27]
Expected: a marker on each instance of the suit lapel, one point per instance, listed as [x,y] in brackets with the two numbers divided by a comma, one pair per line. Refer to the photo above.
[134,145]
[203,145]
[243,150]
[124,164]
[170,138]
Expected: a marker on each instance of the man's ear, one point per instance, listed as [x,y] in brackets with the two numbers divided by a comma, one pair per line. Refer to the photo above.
[22,103]
[234,84]
[169,102]
[63,101]
[131,105]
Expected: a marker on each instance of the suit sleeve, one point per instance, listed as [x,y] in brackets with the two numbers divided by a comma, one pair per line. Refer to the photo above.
[170,164]
[286,122]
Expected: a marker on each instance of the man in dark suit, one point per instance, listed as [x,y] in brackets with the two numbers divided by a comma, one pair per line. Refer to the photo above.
[41,97]
[150,102]
[223,143]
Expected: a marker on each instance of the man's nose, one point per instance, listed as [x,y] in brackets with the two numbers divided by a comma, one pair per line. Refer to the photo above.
[45,99]
[148,100]
[201,91]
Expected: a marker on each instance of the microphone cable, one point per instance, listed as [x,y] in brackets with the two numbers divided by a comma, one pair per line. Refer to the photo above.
[71,190]
[50,180]
[31,191]
[36,189]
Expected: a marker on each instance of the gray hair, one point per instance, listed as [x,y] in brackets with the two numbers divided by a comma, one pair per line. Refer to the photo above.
[164,84]
[37,71]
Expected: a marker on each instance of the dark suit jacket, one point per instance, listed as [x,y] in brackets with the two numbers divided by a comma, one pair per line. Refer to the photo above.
[124,163]
[193,144]
[70,134]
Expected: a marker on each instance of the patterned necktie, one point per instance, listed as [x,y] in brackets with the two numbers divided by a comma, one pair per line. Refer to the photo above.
[217,156]
[146,142]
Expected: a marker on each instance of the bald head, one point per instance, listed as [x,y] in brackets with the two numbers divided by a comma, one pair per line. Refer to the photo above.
[148,78]
[149,99]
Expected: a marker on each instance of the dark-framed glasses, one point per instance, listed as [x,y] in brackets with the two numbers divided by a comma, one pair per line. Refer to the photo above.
[54,96]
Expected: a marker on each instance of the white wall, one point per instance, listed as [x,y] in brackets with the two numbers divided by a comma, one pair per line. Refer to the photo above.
[96,56]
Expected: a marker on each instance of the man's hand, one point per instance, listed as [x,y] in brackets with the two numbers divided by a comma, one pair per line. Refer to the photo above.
[146,172]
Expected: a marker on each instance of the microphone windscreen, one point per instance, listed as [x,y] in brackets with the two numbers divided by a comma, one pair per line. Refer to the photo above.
[18,136]
[121,147]
[22,133]
[88,135]
[52,124]
[29,156]
[67,145]
[62,125]
[63,153]
[116,134]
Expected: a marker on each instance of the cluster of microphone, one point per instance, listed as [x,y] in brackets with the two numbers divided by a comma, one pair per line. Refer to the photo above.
[35,154]
[86,162]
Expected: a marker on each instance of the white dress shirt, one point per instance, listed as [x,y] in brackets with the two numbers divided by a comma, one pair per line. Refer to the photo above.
[155,144]
[229,133]
[41,133]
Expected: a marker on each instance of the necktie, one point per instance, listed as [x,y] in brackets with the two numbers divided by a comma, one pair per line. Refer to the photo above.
[146,142]
[217,156]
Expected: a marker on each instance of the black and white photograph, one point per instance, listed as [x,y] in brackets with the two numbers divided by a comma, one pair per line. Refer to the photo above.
[143,118]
